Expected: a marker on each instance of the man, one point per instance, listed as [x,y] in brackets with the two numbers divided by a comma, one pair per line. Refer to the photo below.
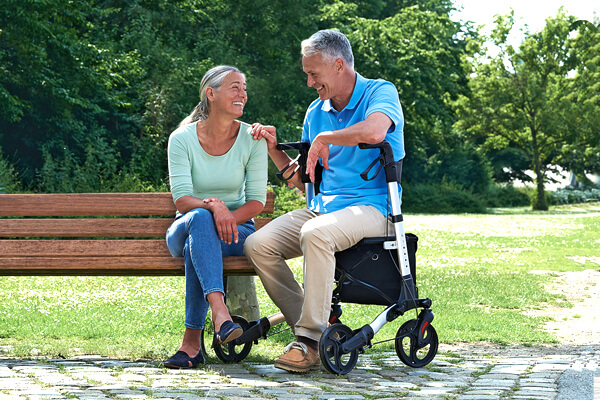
[350,110]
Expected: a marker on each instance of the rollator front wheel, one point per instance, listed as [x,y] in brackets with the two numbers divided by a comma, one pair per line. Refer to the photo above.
[408,348]
[330,350]
[229,352]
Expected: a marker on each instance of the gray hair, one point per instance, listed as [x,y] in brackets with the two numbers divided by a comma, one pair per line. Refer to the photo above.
[330,44]
[213,78]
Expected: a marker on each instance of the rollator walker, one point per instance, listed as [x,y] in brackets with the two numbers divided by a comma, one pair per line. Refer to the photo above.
[377,271]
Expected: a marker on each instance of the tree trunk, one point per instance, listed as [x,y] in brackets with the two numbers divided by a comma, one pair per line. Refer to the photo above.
[539,202]
[241,297]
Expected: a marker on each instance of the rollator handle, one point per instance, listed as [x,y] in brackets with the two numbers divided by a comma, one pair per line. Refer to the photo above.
[393,169]
[303,148]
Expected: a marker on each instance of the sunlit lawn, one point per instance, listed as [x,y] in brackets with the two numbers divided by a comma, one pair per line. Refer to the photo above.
[477,269]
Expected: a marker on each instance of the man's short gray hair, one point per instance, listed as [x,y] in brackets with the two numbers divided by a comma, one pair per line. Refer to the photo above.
[330,44]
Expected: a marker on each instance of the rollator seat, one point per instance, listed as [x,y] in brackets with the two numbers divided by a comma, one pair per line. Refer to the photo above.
[366,273]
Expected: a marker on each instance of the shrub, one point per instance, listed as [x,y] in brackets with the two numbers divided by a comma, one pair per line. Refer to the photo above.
[287,199]
[9,182]
[573,196]
[507,196]
[97,171]
[440,198]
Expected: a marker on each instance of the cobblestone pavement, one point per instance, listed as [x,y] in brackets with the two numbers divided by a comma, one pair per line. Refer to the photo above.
[376,376]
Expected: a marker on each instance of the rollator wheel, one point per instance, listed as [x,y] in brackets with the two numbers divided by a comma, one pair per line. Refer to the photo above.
[330,350]
[407,346]
[227,352]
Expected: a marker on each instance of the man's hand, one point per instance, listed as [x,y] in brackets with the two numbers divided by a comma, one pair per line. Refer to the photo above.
[319,148]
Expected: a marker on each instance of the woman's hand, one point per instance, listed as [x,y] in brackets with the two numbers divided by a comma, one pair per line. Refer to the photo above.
[224,220]
[268,132]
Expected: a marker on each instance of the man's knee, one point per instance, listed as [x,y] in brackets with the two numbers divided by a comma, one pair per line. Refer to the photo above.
[251,244]
[316,235]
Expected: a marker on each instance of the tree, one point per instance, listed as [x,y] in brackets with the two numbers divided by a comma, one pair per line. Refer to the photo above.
[524,98]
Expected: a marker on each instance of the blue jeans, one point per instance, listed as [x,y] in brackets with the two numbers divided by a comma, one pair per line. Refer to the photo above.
[194,237]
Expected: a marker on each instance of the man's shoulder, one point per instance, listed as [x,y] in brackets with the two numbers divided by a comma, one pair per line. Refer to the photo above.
[317,104]
[374,84]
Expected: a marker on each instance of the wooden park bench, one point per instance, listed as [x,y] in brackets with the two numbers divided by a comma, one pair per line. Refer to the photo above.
[93,234]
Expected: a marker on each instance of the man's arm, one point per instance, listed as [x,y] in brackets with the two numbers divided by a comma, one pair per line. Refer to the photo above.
[372,130]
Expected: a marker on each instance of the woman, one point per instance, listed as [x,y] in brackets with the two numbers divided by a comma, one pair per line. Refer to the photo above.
[218,177]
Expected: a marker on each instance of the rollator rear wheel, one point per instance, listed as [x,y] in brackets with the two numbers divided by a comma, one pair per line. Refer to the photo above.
[408,348]
[330,350]
[228,352]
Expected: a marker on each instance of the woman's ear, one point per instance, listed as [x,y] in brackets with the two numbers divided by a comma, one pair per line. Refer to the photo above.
[210,93]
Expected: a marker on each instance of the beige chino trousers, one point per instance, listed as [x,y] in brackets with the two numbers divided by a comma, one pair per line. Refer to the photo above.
[316,237]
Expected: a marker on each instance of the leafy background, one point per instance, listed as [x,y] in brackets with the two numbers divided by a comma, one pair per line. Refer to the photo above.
[90,90]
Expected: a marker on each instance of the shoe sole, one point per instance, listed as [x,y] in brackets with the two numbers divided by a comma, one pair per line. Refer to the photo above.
[296,368]
[171,366]
[233,335]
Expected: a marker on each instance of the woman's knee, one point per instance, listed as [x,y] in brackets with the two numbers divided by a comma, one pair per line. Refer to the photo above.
[199,216]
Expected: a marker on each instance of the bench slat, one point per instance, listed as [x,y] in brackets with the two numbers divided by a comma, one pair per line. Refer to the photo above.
[85,227]
[110,266]
[93,204]
[92,227]
[79,248]
[86,204]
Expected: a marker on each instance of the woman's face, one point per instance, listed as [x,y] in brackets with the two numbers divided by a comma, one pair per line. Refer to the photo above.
[231,97]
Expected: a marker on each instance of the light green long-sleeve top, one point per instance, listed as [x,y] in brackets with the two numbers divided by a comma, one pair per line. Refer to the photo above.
[235,177]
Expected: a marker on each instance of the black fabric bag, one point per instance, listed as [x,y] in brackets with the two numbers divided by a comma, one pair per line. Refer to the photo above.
[368,274]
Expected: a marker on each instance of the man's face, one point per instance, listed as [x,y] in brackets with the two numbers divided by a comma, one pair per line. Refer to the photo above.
[321,75]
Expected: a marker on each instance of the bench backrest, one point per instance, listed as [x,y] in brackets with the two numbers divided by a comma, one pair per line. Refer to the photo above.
[91,234]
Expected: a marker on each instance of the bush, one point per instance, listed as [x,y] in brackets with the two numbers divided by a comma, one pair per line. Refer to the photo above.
[574,196]
[440,198]
[507,196]
[96,171]
[287,199]
[9,182]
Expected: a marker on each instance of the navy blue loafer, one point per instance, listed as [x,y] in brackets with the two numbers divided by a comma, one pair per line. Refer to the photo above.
[181,360]
[229,331]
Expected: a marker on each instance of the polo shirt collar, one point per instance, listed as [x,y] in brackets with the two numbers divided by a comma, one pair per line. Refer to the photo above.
[359,87]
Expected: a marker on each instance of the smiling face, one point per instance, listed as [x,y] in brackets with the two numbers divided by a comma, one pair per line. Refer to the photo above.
[231,96]
[322,75]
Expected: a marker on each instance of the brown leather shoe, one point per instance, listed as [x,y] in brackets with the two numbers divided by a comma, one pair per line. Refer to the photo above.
[298,357]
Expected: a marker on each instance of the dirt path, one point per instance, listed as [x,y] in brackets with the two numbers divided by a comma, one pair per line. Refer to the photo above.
[574,327]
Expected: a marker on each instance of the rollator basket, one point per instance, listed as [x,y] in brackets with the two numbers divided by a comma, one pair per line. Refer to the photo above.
[369,274]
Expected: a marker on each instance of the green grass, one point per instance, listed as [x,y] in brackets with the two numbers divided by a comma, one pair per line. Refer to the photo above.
[477,269]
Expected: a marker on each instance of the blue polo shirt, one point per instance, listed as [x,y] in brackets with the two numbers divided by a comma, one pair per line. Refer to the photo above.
[342,185]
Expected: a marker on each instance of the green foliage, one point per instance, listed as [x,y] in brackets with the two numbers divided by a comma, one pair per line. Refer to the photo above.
[9,181]
[97,171]
[533,99]
[574,196]
[445,197]
[121,75]
[507,196]
[463,166]
[287,199]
